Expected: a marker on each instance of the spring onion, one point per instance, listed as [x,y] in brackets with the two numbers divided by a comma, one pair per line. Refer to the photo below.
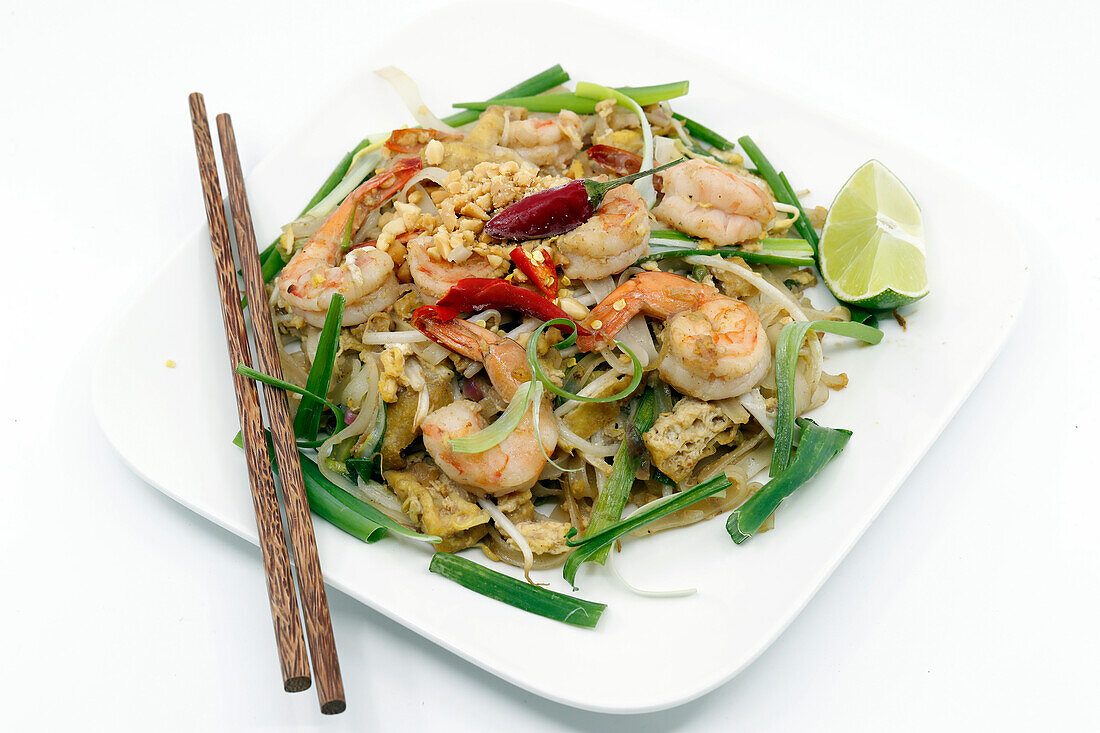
[817,446]
[524,596]
[259,376]
[597,92]
[595,541]
[703,133]
[308,419]
[794,252]
[537,370]
[326,505]
[582,103]
[781,188]
[502,427]
[612,498]
[537,84]
[363,462]
[786,356]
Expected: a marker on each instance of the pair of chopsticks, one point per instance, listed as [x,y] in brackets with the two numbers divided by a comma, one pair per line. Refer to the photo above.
[269,523]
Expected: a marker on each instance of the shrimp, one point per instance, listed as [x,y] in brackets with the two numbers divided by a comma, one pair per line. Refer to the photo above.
[435,274]
[704,200]
[365,277]
[713,346]
[544,142]
[516,463]
[613,239]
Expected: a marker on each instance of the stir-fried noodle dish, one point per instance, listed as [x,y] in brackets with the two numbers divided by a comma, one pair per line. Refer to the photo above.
[522,336]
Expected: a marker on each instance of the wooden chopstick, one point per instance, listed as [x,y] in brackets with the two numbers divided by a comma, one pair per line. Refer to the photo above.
[280,588]
[311,584]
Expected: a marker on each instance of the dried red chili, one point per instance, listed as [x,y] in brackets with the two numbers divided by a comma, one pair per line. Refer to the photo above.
[541,271]
[614,159]
[480,293]
[557,210]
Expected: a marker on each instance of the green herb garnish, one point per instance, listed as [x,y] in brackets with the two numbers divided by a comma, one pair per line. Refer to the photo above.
[609,505]
[505,588]
[786,356]
[816,447]
[307,421]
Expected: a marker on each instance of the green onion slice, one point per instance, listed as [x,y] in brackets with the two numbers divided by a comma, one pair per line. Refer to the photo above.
[597,92]
[537,84]
[652,511]
[581,102]
[505,588]
[779,251]
[494,435]
[611,501]
[538,373]
[780,187]
[817,446]
[259,376]
[307,421]
[703,133]
[786,356]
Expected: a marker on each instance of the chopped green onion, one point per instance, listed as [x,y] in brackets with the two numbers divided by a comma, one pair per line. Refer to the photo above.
[786,356]
[505,588]
[339,508]
[652,511]
[538,373]
[597,92]
[536,84]
[794,252]
[494,435]
[307,421]
[703,133]
[780,187]
[816,447]
[363,462]
[611,500]
[582,103]
[259,376]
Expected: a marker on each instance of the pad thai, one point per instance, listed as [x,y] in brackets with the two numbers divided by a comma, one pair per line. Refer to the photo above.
[519,328]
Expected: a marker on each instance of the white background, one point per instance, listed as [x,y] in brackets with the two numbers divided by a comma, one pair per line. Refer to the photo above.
[972,602]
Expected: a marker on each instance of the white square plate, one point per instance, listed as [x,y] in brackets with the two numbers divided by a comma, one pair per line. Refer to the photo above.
[174,426]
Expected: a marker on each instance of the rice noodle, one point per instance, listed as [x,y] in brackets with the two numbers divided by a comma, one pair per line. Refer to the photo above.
[513,533]
[753,401]
[363,421]
[406,88]
[514,557]
[414,375]
[571,439]
[382,499]
[386,338]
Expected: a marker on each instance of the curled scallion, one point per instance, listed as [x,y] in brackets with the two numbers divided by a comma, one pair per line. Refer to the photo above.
[786,357]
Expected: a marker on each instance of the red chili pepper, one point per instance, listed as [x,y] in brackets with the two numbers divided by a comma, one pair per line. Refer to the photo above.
[543,274]
[614,159]
[557,210]
[480,293]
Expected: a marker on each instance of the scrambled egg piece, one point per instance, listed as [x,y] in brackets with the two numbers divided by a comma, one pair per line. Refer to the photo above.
[440,506]
[545,538]
[693,430]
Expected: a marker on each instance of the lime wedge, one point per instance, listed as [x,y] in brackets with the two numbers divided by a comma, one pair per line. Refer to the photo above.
[872,248]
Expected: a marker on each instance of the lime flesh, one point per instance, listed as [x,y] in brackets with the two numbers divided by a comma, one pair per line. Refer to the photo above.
[872,248]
